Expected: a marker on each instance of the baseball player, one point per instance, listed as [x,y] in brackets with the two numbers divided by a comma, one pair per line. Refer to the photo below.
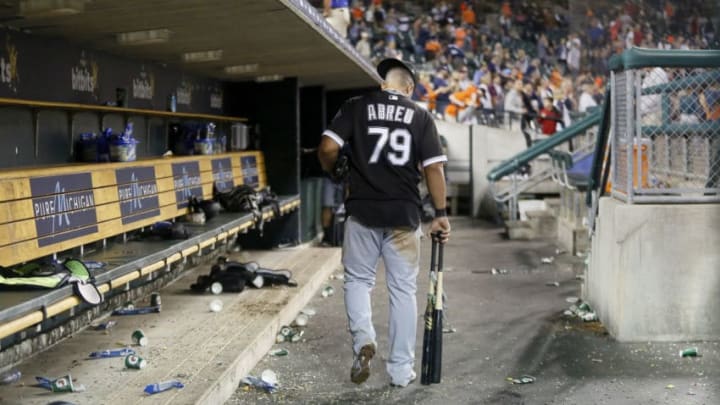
[390,140]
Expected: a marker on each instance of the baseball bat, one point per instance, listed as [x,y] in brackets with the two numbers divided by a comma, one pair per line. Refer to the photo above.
[425,368]
[437,332]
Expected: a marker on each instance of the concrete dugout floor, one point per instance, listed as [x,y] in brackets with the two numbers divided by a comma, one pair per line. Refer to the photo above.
[507,325]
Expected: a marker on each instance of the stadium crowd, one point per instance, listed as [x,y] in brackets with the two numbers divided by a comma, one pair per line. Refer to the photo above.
[523,60]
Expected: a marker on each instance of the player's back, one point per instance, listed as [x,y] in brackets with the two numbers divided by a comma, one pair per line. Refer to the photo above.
[388,131]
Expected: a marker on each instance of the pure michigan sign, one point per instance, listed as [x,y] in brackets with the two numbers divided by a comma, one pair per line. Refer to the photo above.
[249,170]
[222,174]
[137,193]
[186,177]
[63,206]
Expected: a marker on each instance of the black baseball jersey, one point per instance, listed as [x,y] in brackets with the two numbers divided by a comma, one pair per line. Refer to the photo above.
[390,139]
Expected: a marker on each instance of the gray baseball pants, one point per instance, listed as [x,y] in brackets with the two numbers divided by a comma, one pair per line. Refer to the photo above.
[399,248]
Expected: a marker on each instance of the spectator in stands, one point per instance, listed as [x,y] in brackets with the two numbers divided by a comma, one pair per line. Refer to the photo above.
[498,96]
[710,103]
[363,45]
[463,104]
[549,117]
[573,56]
[424,91]
[651,104]
[514,100]
[432,48]
[468,14]
[586,98]
[391,51]
[446,38]
[485,101]
[443,88]
[337,13]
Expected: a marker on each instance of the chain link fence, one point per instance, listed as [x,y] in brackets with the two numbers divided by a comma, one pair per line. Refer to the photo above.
[666,134]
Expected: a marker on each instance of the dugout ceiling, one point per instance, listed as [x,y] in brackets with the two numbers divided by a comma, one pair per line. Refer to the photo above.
[269,37]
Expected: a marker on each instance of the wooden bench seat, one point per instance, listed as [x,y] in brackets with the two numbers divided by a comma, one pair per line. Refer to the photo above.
[127,262]
[51,210]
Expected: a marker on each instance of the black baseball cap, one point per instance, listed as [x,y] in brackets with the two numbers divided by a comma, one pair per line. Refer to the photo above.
[390,63]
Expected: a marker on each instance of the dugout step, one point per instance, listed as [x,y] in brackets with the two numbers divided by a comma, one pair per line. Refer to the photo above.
[208,352]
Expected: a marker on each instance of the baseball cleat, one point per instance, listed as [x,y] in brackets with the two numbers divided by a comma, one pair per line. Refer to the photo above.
[360,370]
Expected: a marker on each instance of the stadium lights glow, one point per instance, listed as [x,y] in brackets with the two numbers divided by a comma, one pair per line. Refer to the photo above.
[51,8]
[240,69]
[202,56]
[148,37]
[268,78]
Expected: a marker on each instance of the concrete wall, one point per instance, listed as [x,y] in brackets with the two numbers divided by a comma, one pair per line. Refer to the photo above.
[489,147]
[458,150]
[654,272]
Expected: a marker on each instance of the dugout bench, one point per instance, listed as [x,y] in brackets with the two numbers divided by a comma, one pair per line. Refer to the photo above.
[86,211]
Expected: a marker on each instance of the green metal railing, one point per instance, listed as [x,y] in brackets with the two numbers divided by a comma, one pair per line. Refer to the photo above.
[637,58]
[542,147]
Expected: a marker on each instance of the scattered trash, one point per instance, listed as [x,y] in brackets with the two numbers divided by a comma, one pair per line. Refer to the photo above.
[289,334]
[269,377]
[131,310]
[552,284]
[139,338]
[136,362]
[689,352]
[278,352]
[155,300]
[216,306]
[572,300]
[258,383]
[596,360]
[104,354]
[589,317]
[582,311]
[547,260]
[62,384]
[301,320]
[309,311]
[216,288]
[449,329]
[340,276]
[690,393]
[579,277]
[669,387]
[156,388]
[328,291]
[495,271]
[559,252]
[105,325]
[525,379]
[10,377]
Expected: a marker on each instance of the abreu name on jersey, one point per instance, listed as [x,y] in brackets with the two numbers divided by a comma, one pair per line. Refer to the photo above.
[390,112]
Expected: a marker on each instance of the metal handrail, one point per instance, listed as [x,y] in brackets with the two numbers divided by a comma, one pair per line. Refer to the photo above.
[516,162]
[519,185]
